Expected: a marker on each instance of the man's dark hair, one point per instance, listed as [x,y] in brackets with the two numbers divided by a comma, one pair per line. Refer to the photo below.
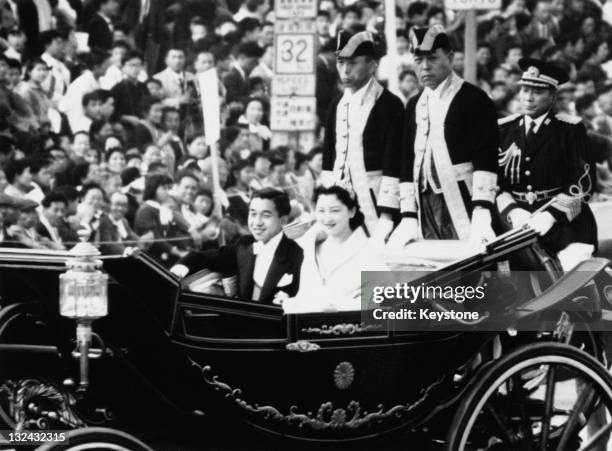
[167,110]
[95,57]
[53,197]
[323,13]
[128,175]
[146,103]
[13,168]
[256,155]
[132,55]
[40,161]
[352,9]
[197,20]
[103,94]
[185,173]
[93,96]
[152,182]
[416,8]
[121,43]
[248,24]
[68,192]
[278,197]
[275,161]
[252,5]
[154,80]
[250,49]
[13,63]
[87,187]
[510,46]
[584,102]
[48,36]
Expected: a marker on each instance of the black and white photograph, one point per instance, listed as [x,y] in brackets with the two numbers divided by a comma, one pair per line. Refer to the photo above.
[307,225]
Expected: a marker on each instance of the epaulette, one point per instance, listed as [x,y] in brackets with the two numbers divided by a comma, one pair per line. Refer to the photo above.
[505,120]
[570,119]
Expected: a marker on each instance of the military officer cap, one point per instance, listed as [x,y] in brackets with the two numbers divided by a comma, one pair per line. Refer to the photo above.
[350,45]
[429,39]
[540,74]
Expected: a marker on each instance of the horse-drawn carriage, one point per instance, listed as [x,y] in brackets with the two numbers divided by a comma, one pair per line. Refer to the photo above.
[167,357]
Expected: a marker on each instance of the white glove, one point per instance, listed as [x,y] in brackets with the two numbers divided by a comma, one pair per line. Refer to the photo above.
[542,222]
[383,228]
[519,217]
[480,228]
[179,270]
[404,233]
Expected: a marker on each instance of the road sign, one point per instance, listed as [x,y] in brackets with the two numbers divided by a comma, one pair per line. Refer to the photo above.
[473,4]
[293,113]
[295,26]
[295,54]
[290,9]
[293,85]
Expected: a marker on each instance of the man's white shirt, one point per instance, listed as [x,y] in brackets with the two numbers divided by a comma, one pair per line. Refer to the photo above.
[264,255]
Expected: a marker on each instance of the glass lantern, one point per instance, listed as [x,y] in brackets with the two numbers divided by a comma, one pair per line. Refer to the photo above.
[83,297]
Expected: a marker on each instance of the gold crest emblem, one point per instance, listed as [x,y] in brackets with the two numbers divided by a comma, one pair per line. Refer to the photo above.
[533,71]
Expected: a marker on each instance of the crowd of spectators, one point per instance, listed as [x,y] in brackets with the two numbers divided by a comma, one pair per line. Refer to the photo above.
[101,124]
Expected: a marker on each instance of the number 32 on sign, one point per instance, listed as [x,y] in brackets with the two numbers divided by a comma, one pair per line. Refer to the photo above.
[295,53]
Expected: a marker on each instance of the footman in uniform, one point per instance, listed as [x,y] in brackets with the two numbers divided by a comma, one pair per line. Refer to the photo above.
[543,176]
[448,177]
[363,135]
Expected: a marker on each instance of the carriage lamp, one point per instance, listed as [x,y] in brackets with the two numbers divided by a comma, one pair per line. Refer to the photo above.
[83,297]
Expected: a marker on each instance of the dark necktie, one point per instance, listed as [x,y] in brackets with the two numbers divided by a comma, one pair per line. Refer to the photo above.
[530,137]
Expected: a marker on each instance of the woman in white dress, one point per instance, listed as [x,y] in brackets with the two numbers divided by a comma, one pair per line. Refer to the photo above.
[336,250]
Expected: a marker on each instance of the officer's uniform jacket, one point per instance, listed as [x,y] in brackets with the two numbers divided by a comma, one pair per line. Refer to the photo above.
[363,144]
[449,146]
[551,171]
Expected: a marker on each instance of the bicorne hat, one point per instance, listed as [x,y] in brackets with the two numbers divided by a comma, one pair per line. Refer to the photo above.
[428,39]
[350,45]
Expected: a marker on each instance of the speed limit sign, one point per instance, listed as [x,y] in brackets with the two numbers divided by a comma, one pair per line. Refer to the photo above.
[295,53]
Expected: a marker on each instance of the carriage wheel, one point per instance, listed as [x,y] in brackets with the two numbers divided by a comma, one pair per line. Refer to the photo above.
[90,439]
[538,398]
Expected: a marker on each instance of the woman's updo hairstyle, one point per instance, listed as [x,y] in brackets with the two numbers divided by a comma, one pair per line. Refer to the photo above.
[347,197]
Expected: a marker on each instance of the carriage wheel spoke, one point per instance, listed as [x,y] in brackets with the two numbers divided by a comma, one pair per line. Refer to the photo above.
[501,424]
[584,399]
[548,407]
[599,435]
[517,393]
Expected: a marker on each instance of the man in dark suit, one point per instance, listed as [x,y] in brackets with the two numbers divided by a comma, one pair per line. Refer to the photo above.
[542,171]
[129,92]
[236,82]
[100,27]
[267,262]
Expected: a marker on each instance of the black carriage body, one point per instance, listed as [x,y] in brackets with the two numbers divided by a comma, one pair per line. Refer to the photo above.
[173,355]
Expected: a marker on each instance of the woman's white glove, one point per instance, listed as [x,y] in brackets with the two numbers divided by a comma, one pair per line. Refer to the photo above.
[179,270]
[383,228]
[404,233]
[480,228]
[542,222]
[519,217]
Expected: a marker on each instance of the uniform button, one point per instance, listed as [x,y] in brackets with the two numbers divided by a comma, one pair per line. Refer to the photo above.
[529,187]
[528,159]
[527,172]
